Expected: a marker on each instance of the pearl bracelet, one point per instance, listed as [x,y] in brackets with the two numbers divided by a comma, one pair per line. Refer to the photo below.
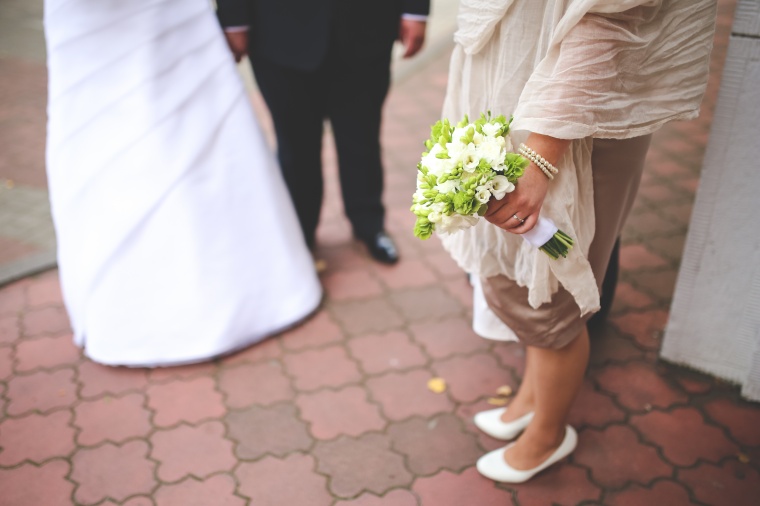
[547,168]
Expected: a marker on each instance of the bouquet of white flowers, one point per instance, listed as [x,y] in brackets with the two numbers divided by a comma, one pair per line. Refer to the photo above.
[464,167]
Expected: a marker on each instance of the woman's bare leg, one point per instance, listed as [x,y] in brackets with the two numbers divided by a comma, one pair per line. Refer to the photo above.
[524,400]
[557,376]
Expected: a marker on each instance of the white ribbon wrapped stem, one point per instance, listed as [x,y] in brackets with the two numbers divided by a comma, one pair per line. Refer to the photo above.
[541,233]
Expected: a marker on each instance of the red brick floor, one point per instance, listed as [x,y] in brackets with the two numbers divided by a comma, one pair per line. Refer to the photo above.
[337,412]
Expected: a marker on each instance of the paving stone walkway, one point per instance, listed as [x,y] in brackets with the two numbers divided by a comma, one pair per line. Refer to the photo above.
[337,412]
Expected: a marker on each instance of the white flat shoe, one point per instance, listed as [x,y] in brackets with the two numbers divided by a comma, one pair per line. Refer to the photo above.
[492,465]
[490,423]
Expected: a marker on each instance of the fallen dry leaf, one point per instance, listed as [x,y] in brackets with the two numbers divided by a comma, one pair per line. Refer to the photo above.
[437,385]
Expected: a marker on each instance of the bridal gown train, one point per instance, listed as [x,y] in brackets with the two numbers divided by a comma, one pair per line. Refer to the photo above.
[177,239]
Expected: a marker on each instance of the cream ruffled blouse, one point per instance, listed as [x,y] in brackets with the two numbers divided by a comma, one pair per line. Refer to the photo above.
[573,69]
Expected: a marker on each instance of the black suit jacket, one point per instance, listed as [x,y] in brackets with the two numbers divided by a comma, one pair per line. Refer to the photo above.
[298,33]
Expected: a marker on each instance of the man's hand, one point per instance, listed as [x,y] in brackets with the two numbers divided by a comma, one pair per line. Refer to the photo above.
[238,42]
[412,35]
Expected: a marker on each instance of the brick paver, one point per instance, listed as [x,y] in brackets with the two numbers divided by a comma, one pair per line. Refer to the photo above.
[337,412]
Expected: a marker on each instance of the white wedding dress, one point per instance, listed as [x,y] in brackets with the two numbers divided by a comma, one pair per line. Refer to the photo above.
[177,240]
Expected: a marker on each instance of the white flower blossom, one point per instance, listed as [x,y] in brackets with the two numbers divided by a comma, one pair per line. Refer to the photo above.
[458,151]
[500,186]
[434,217]
[458,133]
[438,207]
[492,151]
[483,196]
[437,166]
[491,129]
[470,158]
[448,186]
[455,222]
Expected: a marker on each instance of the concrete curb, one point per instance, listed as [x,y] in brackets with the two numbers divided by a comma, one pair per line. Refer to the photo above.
[27,266]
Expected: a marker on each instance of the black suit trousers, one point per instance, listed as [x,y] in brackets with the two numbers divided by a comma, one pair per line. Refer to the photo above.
[350,94]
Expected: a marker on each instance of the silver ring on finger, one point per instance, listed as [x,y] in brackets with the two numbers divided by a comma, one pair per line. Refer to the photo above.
[518,218]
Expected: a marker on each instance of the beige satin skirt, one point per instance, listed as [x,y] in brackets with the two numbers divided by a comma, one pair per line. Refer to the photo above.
[617,166]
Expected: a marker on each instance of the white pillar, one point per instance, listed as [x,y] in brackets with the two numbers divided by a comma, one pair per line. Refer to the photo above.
[714,323]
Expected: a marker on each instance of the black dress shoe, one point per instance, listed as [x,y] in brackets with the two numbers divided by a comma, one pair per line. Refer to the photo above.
[382,248]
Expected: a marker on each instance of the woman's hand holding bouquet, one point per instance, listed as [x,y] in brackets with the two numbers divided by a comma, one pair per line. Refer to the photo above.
[465,174]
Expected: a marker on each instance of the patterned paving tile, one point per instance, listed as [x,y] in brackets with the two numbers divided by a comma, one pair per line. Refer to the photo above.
[378,353]
[317,331]
[331,413]
[36,438]
[636,256]
[646,327]
[594,409]
[344,461]
[166,374]
[6,362]
[661,492]
[41,391]
[192,451]
[425,304]
[267,349]
[732,484]
[562,484]
[511,356]
[261,383]
[741,420]
[21,485]
[396,497]
[187,401]
[471,377]
[684,436]
[46,352]
[274,430]
[638,386]
[410,273]
[443,264]
[325,367]
[461,290]
[269,482]
[367,316]
[45,320]
[218,490]
[99,379]
[469,487]
[44,290]
[13,298]
[616,456]
[405,394]
[345,285]
[112,472]
[447,337]
[608,345]
[112,419]
[431,445]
